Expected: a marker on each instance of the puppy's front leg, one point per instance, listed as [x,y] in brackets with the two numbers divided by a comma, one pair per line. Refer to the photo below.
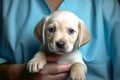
[77,71]
[37,62]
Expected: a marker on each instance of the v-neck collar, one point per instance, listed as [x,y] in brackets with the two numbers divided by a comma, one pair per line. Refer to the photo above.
[49,8]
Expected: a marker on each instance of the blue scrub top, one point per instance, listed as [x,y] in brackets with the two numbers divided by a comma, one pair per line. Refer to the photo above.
[102,18]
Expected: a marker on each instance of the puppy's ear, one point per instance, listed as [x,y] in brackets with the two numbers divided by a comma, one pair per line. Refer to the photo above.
[39,30]
[83,34]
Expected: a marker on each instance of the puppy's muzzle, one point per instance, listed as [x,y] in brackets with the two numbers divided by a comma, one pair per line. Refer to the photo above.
[60,44]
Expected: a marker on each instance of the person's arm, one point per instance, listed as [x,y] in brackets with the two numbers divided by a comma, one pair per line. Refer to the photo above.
[19,72]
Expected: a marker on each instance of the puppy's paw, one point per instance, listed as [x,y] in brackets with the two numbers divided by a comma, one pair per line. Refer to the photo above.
[35,65]
[77,76]
[77,72]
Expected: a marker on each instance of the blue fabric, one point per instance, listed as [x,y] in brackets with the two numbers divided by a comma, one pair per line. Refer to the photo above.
[102,18]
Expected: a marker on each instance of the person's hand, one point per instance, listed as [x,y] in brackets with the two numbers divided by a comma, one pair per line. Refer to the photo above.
[52,72]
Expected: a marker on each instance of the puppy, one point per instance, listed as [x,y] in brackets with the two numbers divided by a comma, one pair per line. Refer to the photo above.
[61,33]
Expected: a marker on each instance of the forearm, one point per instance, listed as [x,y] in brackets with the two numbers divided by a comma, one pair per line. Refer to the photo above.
[9,71]
[4,71]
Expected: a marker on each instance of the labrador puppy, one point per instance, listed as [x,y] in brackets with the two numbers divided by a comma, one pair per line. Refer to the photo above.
[61,33]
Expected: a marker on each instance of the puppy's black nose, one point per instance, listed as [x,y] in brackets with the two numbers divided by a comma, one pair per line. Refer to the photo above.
[60,44]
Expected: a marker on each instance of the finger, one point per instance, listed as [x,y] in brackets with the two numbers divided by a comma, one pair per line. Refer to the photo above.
[61,76]
[55,68]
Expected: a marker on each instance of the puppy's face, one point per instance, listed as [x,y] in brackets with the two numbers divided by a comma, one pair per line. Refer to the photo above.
[61,31]
[61,34]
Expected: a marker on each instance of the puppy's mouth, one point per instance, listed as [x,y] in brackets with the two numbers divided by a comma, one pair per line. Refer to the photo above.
[57,50]
[60,51]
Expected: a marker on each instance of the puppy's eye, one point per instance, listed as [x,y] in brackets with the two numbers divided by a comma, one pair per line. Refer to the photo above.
[71,31]
[52,30]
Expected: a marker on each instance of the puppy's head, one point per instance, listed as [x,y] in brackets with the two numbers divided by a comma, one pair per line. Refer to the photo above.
[61,31]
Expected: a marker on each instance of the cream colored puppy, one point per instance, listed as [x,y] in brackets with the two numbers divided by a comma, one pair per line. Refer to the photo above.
[61,33]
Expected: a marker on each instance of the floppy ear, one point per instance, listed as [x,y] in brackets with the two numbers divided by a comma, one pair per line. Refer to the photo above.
[83,34]
[39,30]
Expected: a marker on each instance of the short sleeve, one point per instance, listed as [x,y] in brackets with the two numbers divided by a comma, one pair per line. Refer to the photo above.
[2,60]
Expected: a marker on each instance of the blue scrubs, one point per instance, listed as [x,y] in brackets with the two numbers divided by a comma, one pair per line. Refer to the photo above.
[102,18]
